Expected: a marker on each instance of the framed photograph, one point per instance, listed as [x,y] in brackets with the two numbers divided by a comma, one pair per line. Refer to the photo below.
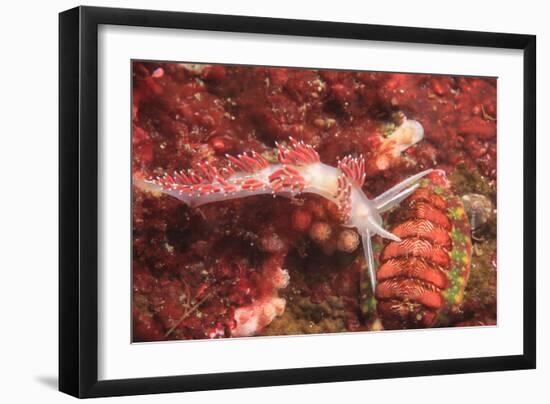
[251,201]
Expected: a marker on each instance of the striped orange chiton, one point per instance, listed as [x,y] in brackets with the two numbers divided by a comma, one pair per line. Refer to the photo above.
[421,279]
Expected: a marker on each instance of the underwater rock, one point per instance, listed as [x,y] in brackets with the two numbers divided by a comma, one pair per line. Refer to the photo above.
[479,209]
[186,114]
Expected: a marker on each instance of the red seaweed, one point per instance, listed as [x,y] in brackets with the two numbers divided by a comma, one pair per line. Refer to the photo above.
[193,268]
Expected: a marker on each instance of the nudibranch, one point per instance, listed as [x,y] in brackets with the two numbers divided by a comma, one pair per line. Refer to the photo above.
[300,170]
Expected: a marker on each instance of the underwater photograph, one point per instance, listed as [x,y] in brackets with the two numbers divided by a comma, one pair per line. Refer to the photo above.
[270,201]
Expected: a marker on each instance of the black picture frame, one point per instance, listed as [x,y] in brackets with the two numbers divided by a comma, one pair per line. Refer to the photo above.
[78,201]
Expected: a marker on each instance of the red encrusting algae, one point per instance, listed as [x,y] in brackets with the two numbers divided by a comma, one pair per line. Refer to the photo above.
[193,269]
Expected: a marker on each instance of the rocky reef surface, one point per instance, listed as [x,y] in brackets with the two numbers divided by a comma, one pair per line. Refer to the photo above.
[288,266]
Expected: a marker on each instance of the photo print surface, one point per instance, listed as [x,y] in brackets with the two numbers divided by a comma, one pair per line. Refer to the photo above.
[275,201]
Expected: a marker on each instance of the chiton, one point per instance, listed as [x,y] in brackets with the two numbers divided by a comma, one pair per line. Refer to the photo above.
[421,279]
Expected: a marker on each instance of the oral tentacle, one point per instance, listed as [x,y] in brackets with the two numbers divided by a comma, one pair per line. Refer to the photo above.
[390,203]
[376,228]
[396,189]
[369,258]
